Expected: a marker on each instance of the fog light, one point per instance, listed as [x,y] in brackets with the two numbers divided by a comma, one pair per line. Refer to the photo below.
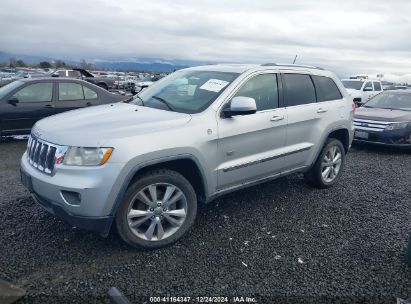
[71,197]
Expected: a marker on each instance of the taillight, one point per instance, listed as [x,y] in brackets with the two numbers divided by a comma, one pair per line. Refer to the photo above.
[353,106]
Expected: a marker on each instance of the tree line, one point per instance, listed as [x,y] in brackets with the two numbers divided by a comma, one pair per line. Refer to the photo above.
[19,63]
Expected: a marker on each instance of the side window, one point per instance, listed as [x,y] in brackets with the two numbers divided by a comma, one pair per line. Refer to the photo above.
[299,90]
[264,89]
[377,86]
[89,93]
[326,89]
[70,91]
[38,92]
[368,86]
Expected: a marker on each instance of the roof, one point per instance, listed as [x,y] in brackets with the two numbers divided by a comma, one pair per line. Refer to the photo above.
[49,79]
[358,79]
[241,68]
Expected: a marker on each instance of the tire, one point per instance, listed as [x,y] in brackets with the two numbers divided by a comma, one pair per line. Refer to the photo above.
[157,210]
[315,176]
[103,86]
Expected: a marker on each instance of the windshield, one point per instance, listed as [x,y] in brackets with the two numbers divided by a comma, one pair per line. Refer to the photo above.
[395,101]
[351,84]
[185,91]
[9,87]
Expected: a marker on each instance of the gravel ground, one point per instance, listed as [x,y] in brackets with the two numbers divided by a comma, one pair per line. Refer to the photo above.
[281,242]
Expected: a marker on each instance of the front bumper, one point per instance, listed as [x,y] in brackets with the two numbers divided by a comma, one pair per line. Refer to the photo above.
[81,196]
[394,138]
[101,225]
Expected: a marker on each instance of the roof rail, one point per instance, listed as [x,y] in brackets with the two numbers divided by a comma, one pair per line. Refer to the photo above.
[291,65]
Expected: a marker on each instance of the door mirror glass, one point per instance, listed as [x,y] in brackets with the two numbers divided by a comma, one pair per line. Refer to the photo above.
[241,105]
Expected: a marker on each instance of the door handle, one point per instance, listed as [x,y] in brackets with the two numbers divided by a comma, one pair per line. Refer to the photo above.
[321,110]
[49,106]
[277,118]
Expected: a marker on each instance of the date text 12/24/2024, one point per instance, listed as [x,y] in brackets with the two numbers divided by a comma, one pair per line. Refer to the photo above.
[203,299]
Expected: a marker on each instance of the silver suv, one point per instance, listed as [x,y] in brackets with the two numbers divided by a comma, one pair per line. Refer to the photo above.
[201,132]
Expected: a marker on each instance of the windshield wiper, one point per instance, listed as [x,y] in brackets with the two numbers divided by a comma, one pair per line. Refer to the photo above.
[164,101]
[142,101]
[128,100]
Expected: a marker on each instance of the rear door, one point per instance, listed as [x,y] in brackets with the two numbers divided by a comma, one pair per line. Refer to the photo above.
[250,147]
[377,87]
[34,102]
[304,118]
[73,95]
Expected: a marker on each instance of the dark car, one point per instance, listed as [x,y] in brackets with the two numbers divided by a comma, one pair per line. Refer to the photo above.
[103,82]
[25,101]
[385,120]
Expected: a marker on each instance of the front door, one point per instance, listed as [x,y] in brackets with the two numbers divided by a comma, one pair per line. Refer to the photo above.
[250,147]
[32,103]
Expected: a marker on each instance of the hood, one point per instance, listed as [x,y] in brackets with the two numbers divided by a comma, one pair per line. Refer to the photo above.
[144,83]
[382,114]
[354,92]
[95,125]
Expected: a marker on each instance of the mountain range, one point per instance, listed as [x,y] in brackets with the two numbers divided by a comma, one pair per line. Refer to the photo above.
[137,64]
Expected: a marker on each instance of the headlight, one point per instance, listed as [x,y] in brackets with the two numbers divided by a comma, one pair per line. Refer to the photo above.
[396,126]
[80,156]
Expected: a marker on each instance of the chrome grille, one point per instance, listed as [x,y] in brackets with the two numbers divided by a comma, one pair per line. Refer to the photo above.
[41,154]
[370,125]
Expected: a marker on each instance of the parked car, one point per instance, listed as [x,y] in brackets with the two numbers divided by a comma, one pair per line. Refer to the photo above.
[103,82]
[25,101]
[362,90]
[144,83]
[66,73]
[385,120]
[197,134]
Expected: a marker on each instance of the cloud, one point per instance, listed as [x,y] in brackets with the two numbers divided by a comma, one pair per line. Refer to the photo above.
[348,37]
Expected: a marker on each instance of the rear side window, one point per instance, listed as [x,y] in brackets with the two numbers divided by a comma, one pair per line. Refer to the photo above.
[377,86]
[89,93]
[70,91]
[326,89]
[299,89]
[263,88]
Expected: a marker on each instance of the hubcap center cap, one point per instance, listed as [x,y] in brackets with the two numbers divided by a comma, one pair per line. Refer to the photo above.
[158,211]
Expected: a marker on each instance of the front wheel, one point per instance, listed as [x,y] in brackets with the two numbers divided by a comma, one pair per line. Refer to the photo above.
[328,166]
[157,210]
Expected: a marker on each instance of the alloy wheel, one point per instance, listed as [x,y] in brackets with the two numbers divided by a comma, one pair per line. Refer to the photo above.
[157,211]
[331,164]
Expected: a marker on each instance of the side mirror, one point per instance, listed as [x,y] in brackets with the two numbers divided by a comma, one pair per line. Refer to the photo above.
[367,89]
[13,100]
[241,106]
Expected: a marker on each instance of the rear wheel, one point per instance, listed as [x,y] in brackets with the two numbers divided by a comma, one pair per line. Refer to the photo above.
[328,166]
[157,210]
[103,86]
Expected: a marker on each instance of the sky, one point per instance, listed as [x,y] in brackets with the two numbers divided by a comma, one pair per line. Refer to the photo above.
[347,37]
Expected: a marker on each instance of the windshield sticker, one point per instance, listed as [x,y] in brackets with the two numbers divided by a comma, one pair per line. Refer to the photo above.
[214,85]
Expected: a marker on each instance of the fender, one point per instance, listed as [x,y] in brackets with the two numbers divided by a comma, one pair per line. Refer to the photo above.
[324,139]
[143,165]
